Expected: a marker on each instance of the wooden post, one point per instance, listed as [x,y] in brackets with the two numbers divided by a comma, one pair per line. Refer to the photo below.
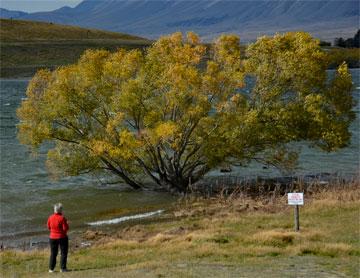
[297,222]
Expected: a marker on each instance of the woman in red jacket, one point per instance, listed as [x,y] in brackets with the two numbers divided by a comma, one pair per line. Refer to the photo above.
[58,226]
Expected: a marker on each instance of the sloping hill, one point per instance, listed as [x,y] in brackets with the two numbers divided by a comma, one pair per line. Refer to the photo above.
[24,30]
[27,46]
[325,19]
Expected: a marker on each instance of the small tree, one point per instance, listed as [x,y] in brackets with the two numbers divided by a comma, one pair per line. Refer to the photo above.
[350,42]
[357,39]
[340,42]
[325,43]
[178,111]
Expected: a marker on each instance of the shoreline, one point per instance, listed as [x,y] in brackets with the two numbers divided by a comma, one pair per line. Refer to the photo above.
[241,235]
[38,240]
[210,187]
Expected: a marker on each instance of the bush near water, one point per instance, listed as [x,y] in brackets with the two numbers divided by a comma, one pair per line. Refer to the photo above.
[179,110]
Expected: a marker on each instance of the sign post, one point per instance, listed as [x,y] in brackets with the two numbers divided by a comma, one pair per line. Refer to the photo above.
[296,199]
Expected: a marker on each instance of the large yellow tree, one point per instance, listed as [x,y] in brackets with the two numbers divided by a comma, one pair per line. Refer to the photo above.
[179,110]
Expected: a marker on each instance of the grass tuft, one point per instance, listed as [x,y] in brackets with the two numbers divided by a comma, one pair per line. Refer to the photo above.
[327,249]
[273,238]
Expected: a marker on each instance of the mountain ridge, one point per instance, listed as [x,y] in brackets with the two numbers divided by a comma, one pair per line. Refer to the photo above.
[249,19]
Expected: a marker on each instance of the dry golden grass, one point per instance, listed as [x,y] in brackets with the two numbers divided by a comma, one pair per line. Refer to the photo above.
[273,238]
[323,249]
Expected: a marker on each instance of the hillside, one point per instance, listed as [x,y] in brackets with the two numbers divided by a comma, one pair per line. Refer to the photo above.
[24,30]
[250,19]
[27,46]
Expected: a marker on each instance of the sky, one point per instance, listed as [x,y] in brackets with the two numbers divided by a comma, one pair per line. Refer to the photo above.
[31,6]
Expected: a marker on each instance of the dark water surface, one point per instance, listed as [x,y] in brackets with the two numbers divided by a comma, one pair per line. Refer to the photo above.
[27,193]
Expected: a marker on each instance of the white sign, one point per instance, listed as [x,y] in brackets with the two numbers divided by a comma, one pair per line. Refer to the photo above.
[296,199]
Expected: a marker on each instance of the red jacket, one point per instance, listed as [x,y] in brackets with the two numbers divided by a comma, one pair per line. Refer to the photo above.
[58,226]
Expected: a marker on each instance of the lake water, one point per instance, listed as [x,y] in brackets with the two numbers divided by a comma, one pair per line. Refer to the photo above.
[27,193]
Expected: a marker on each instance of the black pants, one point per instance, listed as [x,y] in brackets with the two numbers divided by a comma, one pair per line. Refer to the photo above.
[54,246]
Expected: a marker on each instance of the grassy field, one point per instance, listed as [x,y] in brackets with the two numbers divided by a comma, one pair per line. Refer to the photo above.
[222,237]
[27,46]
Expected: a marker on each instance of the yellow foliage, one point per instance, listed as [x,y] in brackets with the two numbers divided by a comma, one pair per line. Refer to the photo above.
[114,123]
[192,38]
[166,130]
[122,65]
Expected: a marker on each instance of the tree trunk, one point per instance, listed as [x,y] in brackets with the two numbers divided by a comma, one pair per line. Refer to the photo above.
[116,171]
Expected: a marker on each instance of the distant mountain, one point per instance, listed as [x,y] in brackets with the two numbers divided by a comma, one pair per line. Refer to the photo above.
[4,13]
[150,18]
